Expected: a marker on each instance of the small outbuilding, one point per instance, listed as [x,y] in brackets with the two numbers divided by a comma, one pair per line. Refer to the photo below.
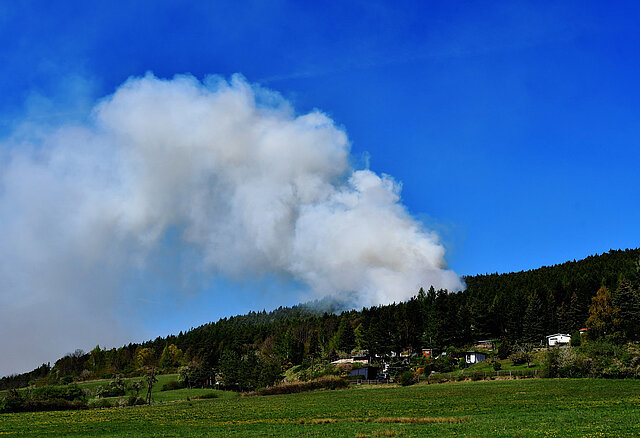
[485,343]
[430,353]
[558,339]
[474,357]
[366,373]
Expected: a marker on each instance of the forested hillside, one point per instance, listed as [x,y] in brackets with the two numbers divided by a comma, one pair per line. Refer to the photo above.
[519,307]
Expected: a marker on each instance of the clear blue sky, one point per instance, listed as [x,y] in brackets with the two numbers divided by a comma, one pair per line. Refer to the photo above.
[514,127]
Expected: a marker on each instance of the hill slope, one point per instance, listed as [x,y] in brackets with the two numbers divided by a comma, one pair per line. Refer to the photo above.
[522,306]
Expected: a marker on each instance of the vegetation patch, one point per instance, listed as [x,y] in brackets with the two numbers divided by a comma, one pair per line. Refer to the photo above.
[49,399]
[206,396]
[318,421]
[324,382]
[387,432]
[173,385]
[421,420]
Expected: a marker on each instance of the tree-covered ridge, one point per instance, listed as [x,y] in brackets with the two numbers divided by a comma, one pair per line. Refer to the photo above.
[549,299]
[255,348]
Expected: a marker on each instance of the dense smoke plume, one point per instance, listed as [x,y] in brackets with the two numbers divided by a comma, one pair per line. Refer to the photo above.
[251,186]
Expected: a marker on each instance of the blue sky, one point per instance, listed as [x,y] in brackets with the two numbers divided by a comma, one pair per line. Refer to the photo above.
[514,127]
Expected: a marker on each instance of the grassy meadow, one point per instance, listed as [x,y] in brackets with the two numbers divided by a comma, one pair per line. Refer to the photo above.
[522,408]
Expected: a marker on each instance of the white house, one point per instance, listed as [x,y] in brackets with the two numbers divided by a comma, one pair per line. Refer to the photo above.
[558,339]
[474,357]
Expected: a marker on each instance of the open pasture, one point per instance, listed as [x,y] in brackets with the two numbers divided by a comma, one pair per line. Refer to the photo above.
[522,408]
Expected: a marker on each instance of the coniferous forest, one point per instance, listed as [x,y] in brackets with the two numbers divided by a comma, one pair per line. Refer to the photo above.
[600,293]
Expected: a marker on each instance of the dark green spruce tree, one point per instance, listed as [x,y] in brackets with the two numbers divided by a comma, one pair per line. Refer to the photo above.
[533,329]
[627,302]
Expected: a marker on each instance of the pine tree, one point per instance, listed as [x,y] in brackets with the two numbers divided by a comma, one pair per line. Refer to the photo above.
[533,324]
[314,345]
[552,310]
[575,314]
[345,337]
[627,302]
[564,325]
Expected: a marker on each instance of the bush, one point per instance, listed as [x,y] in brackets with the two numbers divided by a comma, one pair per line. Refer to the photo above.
[133,400]
[427,365]
[407,378]
[497,366]
[173,385]
[12,402]
[396,368]
[550,364]
[519,358]
[325,382]
[436,378]
[19,402]
[572,364]
[576,339]
[109,391]
[100,403]
[504,349]
[70,393]
[444,365]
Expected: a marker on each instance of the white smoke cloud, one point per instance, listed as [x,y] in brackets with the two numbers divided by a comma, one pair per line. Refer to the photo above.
[254,187]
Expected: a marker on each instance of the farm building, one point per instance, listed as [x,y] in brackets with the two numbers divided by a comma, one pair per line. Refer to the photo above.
[486,343]
[430,353]
[349,361]
[367,373]
[558,339]
[474,357]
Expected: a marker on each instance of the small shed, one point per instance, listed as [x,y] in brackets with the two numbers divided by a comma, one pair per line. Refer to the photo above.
[474,357]
[558,339]
[485,343]
[430,353]
[367,373]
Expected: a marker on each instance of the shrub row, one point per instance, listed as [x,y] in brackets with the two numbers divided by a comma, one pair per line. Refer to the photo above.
[18,402]
[593,359]
[70,393]
[132,400]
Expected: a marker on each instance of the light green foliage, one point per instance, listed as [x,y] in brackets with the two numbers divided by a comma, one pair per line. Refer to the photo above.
[601,314]
[144,357]
[171,356]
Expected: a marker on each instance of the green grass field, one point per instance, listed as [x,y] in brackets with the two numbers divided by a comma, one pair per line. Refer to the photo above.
[522,408]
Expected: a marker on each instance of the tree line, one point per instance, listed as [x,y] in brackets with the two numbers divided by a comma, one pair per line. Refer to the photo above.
[601,293]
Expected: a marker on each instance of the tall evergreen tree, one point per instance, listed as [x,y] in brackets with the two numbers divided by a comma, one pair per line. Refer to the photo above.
[533,329]
[552,313]
[575,313]
[627,302]
[345,337]
[563,324]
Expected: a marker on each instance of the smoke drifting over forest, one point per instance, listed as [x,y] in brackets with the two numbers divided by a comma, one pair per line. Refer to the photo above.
[245,182]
